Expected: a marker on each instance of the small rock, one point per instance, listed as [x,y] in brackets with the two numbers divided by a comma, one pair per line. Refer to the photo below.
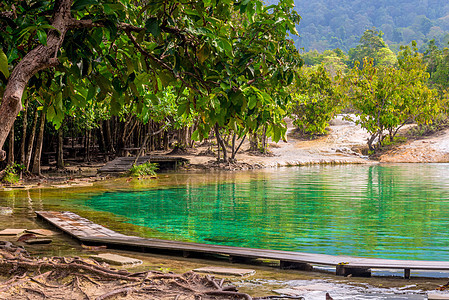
[323,287]
[81,184]
[38,241]
[6,211]
[11,231]
[288,292]
[44,232]
[225,271]
[115,259]
[61,186]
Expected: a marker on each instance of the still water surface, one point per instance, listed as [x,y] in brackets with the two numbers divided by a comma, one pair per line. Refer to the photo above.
[388,211]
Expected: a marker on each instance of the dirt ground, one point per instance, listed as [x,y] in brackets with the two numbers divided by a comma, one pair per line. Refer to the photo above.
[343,145]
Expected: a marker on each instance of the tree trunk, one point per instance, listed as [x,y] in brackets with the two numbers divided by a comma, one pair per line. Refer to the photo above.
[109,147]
[253,142]
[87,142]
[31,141]
[264,140]
[60,152]
[24,134]
[38,149]
[166,141]
[221,143]
[11,158]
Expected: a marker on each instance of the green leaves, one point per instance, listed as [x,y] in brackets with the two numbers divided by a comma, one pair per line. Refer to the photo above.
[152,26]
[42,36]
[81,4]
[389,97]
[4,64]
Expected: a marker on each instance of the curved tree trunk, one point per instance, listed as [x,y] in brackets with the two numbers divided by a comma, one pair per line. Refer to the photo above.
[40,58]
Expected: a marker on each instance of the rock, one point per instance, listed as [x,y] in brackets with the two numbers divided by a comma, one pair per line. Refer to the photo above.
[432,296]
[6,211]
[81,184]
[115,259]
[61,186]
[225,271]
[288,292]
[44,232]
[323,287]
[11,231]
[38,241]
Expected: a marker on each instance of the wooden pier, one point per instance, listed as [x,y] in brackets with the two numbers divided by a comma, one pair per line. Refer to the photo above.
[90,233]
[124,164]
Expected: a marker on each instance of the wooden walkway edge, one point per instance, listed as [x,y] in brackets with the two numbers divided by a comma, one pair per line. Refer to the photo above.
[90,233]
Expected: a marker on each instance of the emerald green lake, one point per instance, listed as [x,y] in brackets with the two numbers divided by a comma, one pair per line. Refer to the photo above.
[388,211]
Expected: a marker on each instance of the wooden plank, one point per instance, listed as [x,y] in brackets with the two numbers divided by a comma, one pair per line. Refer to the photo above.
[89,232]
[76,226]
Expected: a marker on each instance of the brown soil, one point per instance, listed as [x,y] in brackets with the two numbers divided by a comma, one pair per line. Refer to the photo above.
[433,148]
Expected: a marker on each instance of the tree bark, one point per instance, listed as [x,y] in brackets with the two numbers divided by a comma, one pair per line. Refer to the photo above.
[40,58]
[221,143]
[24,135]
[60,152]
[11,158]
[31,141]
[38,149]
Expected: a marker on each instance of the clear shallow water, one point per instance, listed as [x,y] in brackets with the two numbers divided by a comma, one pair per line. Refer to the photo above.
[388,211]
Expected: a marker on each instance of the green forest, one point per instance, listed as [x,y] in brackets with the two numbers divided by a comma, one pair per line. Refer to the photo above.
[339,24]
[95,79]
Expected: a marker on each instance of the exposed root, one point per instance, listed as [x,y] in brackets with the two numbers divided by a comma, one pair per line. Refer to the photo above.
[116,292]
[77,278]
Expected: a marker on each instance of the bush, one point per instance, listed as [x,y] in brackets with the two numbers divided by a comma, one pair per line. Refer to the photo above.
[143,170]
[12,173]
[315,102]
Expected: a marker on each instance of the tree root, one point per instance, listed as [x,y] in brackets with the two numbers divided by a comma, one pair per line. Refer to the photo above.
[83,279]
[116,292]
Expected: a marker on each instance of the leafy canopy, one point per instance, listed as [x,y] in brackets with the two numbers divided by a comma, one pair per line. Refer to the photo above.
[227,61]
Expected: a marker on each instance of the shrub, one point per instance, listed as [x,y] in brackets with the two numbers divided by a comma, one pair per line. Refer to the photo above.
[143,170]
[12,173]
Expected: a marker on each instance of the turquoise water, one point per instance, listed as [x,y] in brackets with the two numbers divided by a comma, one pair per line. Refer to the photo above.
[393,211]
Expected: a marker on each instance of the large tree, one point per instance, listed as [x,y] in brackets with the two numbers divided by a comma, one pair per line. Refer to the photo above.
[107,50]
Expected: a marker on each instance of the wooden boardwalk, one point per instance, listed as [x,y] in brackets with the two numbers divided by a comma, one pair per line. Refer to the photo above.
[90,233]
[123,164]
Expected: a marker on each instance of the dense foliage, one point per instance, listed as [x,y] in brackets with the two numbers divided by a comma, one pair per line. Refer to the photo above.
[316,101]
[339,24]
[226,64]
[385,91]
[129,76]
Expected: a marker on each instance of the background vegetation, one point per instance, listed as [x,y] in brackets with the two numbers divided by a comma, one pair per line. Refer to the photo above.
[340,23]
[123,77]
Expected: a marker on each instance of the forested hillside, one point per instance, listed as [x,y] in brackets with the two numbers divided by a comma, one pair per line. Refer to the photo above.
[330,24]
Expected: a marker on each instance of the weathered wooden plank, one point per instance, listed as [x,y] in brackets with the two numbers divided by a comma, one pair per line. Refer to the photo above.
[89,232]
[76,226]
